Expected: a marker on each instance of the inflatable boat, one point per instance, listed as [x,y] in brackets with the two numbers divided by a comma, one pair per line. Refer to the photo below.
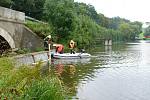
[70,56]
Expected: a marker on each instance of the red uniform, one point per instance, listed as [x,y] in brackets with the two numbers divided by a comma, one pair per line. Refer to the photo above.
[59,48]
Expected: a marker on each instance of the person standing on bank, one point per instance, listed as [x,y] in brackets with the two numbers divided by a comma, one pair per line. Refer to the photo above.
[47,41]
[72,46]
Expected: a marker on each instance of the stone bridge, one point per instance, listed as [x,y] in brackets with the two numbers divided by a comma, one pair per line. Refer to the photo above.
[15,33]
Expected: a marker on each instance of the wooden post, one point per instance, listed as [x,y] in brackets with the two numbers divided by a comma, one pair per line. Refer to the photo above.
[49,49]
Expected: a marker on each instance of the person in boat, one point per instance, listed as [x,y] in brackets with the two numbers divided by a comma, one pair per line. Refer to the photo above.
[59,48]
[82,51]
[72,46]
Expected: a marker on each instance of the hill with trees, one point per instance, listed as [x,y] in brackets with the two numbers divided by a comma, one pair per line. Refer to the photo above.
[72,20]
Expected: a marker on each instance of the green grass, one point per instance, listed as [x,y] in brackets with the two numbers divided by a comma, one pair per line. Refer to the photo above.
[46,89]
[141,36]
[40,29]
[146,38]
[27,83]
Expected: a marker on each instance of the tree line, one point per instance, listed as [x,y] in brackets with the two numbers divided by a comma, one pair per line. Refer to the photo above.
[78,21]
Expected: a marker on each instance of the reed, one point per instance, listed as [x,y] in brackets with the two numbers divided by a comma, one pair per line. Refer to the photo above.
[27,83]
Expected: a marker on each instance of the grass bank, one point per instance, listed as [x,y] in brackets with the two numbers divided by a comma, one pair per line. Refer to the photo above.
[27,83]
[41,29]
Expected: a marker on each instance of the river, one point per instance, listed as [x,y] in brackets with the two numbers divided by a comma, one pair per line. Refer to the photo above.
[120,72]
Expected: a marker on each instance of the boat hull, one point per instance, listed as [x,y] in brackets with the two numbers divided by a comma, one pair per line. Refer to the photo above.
[68,55]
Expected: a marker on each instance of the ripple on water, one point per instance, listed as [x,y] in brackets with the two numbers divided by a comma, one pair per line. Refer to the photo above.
[121,73]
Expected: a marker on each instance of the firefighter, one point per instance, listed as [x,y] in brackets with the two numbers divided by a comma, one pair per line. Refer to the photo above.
[59,48]
[72,46]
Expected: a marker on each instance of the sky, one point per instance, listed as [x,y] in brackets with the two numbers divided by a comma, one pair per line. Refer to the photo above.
[133,10]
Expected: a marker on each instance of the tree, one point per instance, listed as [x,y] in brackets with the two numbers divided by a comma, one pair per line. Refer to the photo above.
[147,32]
[85,31]
[6,3]
[87,10]
[61,15]
[32,8]
[116,21]
[103,21]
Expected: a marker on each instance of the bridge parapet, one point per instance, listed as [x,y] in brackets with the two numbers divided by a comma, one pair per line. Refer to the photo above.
[13,30]
[12,14]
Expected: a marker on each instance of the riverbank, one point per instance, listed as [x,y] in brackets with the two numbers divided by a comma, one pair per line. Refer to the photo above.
[31,58]
[27,82]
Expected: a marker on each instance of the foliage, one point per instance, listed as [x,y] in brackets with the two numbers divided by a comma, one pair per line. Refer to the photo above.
[115,22]
[46,89]
[33,8]
[5,65]
[87,10]
[71,20]
[147,31]
[89,25]
[23,51]
[129,31]
[85,31]
[5,3]
[61,14]
[27,83]
[104,21]
[141,36]
[40,29]
[38,49]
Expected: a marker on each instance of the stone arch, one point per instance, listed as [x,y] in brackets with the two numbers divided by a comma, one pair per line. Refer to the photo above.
[7,37]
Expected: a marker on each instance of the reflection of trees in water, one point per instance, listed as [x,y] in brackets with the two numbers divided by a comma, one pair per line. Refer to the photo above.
[4,46]
[59,69]
[72,75]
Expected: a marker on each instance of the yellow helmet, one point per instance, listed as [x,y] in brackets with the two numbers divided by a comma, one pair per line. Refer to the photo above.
[72,41]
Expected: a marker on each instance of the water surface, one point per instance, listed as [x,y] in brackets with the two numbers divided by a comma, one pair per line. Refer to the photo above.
[120,72]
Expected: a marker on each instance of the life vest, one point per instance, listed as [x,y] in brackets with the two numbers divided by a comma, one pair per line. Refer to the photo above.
[71,44]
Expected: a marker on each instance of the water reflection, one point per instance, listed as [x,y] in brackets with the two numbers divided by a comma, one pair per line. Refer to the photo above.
[59,69]
[120,72]
[72,74]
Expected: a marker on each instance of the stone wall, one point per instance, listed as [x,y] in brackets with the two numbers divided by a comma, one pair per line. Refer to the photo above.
[15,30]
[12,22]
[23,37]
[12,14]
[32,58]
[31,40]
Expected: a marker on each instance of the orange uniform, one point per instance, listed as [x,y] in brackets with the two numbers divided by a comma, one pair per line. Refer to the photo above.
[59,48]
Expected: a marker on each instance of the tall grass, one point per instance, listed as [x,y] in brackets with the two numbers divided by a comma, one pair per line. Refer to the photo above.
[46,89]
[27,83]
[40,29]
